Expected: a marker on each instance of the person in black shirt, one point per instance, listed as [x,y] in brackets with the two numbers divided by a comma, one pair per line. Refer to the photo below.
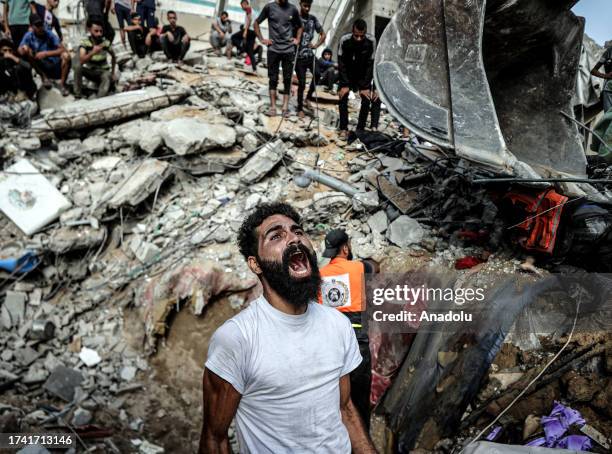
[174,39]
[326,73]
[606,62]
[356,67]
[306,52]
[15,72]
[136,35]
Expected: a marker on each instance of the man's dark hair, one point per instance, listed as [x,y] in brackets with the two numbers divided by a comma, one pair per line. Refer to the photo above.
[224,13]
[306,2]
[360,25]
[95,20]
[171,12]
[134,14]
[5,42]
[35,19]
[244,1]
[247,236]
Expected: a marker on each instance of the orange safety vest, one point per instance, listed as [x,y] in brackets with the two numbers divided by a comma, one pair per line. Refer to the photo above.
[343,285]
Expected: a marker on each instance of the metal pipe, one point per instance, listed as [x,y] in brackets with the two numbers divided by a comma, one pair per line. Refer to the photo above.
[304,179]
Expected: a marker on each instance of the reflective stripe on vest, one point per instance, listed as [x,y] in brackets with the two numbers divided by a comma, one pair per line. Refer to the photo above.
[343,285]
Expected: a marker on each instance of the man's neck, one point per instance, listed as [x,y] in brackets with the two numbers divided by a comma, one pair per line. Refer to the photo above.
[279,303]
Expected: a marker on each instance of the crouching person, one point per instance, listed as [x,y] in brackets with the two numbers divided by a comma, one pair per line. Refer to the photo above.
[174,39]
[47,55]
[93,60]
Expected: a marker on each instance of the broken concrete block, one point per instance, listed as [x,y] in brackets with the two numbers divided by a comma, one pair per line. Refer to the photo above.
[89,357]
[94,144]
[188,136]
[81,417]
[250,142]
[332,201]
[252,201]
[66,239]
[28,199]
[86,113]
[70,149]
[405,231]
[13,309]
[62,382]
[378,222]
[29,143]
[106,163]
[363,201]
[52,98]
[141,182]
[144,251]
[34,375]
[128,373]
[262,162]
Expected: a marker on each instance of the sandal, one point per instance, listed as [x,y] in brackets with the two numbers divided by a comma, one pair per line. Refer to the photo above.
[47,83]
[286,114]
[64,91]
[270,113]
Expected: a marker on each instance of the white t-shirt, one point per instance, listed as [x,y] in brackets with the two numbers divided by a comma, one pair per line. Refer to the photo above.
[287,369]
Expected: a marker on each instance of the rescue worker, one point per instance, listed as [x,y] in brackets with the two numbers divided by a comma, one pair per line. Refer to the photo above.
[606,62]
[343,287]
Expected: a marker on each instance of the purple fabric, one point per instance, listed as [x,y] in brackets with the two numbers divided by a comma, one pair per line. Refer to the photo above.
[494,433]
[556,425]
[575,442]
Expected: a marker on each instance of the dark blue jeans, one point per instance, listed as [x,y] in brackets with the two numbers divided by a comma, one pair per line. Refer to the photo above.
[147,14]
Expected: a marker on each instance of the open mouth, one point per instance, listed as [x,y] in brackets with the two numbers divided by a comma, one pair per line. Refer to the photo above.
[298,263]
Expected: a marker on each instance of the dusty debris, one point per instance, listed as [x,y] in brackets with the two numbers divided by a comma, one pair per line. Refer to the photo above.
[189,136]
[262,162]
[143,180]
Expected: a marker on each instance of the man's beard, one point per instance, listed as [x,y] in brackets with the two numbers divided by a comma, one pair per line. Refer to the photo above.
[297,292]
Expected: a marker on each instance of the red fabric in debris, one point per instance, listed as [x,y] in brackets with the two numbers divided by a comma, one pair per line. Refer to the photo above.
[468,262]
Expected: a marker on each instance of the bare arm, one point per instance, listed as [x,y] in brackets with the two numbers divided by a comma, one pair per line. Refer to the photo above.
[216,25]
[267,42]
[85,56]
[57,52]
[360,441]
[247,25]
[595,72]
[220,405]
[322,37]
[5,13]
[298,36]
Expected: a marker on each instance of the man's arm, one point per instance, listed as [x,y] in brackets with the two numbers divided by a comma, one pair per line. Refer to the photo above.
[113,61]
[247,24]
[5,13]
[55,53]
[595,72]
[220,404]
[322,36]
[85,56]
[216,25]
[360,441]
[298,36]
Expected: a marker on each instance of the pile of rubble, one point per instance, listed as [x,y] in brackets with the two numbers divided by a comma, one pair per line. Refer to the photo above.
[119,219]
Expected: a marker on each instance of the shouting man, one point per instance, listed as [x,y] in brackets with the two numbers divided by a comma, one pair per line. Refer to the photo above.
[282,365]
[285,33]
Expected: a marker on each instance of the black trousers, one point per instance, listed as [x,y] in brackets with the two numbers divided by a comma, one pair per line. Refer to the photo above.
[302,66]
[361,378]
[174,51]
[137,43]
[367,106]
[329,77]
[247,45]
[275,61]
[17,34]
[15,77]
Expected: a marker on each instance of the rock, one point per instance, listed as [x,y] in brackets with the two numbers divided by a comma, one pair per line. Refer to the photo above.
[35,375]
[144,251]
[405,231]
[128,373]
[363,201]
[262,162]
[70,149]
[52,99]
[188,136]
[106,163]
[378,222]
[94,144]
[34,449]
[506,379]
[89,357]
[331,201]
[250,142]
[66,239]
[81,417]
[252,201]
[141,182]
[62,382]
[13,309]
[29,143]
[531,426]
[149,448]
[579,388]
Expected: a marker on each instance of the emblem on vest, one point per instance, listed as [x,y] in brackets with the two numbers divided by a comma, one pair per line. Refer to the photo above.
[335,292]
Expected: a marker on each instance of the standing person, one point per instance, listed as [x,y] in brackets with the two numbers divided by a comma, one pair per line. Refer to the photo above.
[136,35]
[326,73]
[45,12]
[285,33]
[100,9]
[122,9]
[244,39]
[282,365]
[306,52]
[174,39]
[16,14]
[220,31]
[146,10]
[343,287]
[606,62]
[93,59]
[15,72]
[356,68]
[45,52]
